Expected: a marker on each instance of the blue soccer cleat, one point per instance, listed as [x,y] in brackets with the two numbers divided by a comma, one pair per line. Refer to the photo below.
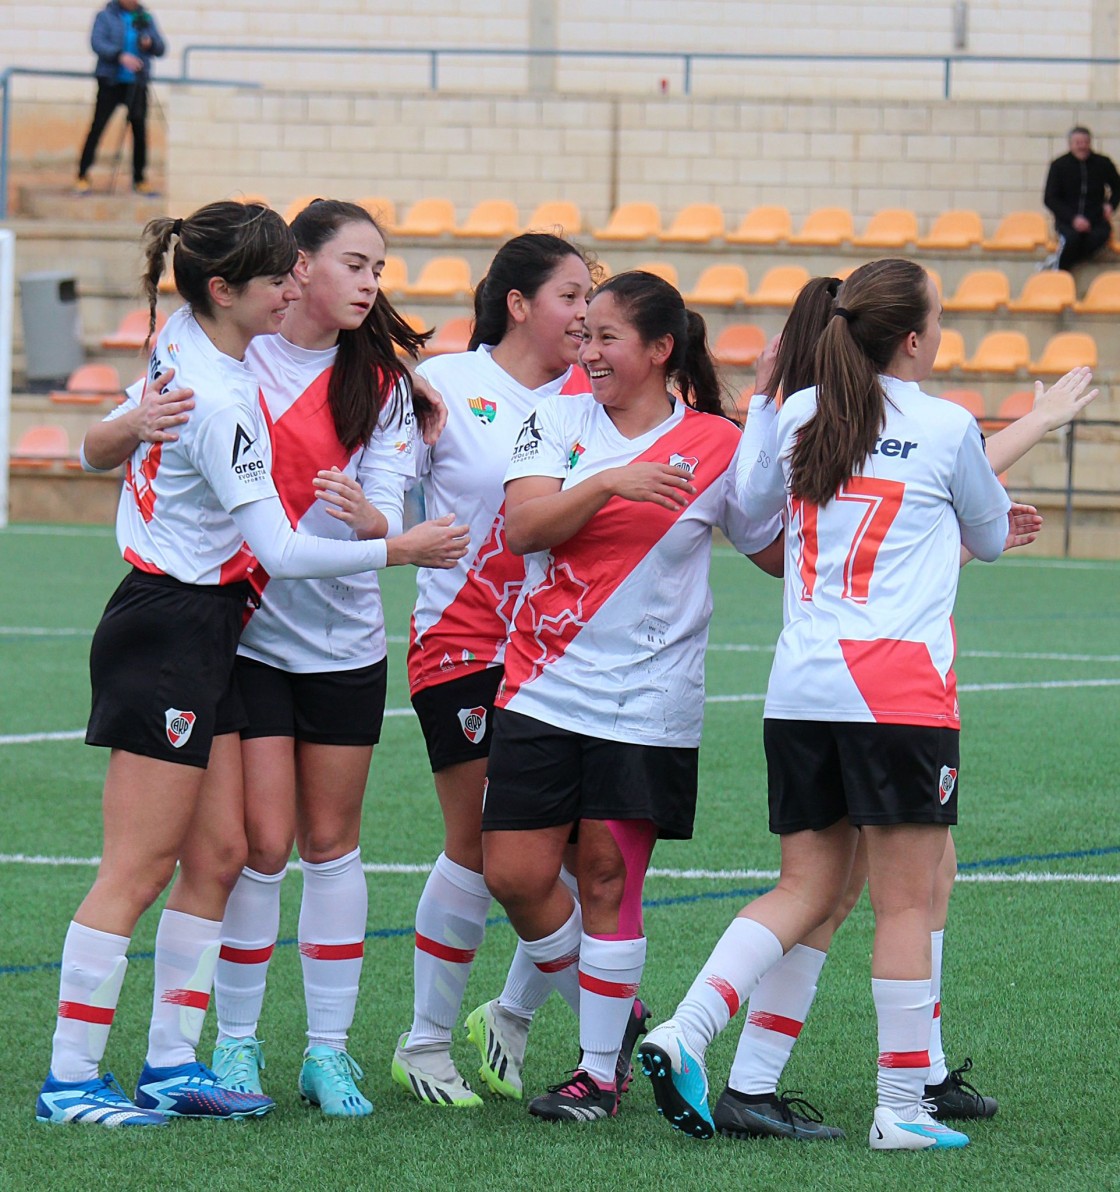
[98,1102]
[680,1082]
[329,1079]
[238,1064]
[192,1090]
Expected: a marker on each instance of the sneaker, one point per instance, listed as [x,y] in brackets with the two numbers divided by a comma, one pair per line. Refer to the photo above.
[145,190]
[99,1102]
[889,1132]
[1050,261]
[238,1064]
[327,1079]
[500,1038]
[680,1083]
[578,1099]
[192,1090]
[430,1075]
[636,1027]
[82,186]
[738,1115]
[955,1099]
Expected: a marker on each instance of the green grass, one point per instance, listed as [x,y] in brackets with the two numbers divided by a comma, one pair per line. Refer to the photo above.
[1030,981]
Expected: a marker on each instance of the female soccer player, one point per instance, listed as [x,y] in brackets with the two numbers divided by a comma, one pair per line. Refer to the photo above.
[529,312]
[161,668]
[881,484]
[616,495]
[311,663]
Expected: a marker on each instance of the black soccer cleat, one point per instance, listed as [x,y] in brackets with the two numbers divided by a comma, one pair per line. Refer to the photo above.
[739,1115]
[636,1027]
[954,1099]
[577,1099]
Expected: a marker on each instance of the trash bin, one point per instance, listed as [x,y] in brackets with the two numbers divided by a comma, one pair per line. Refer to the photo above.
[52,335]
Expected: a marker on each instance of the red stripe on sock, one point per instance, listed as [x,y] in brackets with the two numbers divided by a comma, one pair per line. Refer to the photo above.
[775,1022]
[196,999]
[592,984]
[443,952]
[559,964]
[333,951]
[904,1059]
[726,991]
[246,955]
[937,1009]
[100,1015]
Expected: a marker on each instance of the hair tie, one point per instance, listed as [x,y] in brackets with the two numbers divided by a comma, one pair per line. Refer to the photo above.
[845,314]
[177,227]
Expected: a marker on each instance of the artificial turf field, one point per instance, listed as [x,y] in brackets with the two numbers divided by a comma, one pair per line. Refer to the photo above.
[1031,978]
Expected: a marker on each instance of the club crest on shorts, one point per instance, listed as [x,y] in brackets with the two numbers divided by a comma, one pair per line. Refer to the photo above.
[686,463]
[473,721]
[947,785]
[179,726]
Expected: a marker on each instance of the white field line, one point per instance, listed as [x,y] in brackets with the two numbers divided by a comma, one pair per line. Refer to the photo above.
[393,867]
[747,697]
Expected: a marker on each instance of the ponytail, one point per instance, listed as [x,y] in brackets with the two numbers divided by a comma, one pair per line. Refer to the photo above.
[795,363]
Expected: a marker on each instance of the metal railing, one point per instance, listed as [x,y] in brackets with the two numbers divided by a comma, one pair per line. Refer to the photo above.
[12,72]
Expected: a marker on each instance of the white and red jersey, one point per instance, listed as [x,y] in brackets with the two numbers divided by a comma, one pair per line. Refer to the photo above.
[310,625]
[871,578]
[610,634]
[463,614]
[174,513]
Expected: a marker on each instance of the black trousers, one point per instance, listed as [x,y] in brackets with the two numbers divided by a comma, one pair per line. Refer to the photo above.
[110,96]
[1076,247]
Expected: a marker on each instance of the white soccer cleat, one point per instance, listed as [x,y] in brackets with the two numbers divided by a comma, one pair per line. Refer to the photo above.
[501,1038]
[430,1075]
[892,1132]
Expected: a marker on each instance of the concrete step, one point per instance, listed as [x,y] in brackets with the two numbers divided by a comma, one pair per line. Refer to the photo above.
[99,206]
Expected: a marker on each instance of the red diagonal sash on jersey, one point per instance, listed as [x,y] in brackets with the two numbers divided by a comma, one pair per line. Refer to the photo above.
[587,570]
[900,684]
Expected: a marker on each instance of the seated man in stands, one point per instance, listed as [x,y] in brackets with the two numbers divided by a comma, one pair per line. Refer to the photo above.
[1076,189]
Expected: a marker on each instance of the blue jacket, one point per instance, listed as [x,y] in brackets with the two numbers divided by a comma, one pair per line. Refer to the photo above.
[108,40]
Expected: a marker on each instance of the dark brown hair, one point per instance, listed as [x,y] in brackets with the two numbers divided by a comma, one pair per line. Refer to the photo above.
[876,308]
[794,365]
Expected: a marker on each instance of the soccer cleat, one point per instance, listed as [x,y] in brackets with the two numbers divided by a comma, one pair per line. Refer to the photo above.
[146,189]
[636,1027]
[680,1083]
[954,1099]
[500,1038]
[99,1102]
[889,1132]
[578,1099]
[192,1090]
[238,1064]
[430,1075]
[82,186]
[737,1115]
[328,1079]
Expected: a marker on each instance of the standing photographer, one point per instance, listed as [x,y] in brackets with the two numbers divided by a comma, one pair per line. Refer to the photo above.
[125,39]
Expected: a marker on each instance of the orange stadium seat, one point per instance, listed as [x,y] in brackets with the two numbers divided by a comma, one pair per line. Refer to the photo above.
[556,214]
[893,227]
[442,277]
[1066,350]
[827,226]
[394,276]
[698,223]
[763,225]
[428,217]
[954,229]
[968,399]
[382,209]
[780,286]
[632,221]
[492,219]
[720,285]
[1019,231]
[297,205]
[40,447]
[980,290]
[663,269]
[1049,292]
[1001,352]
[739,345]
[1015,405]
[90,384]
[453,336]
[950,353]
[1102,296]
[132,331]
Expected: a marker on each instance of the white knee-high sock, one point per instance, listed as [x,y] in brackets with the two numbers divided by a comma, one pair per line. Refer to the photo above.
[527,988]
[332,940]
[556,957]
[93,968]
[609,974]
[186,955]
[776,1013]
[249,930]
[745,952]
[938,1069]
[450,924]
[905,1013]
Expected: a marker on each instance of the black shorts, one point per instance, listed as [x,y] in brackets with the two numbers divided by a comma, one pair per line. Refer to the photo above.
[820,772]
[541,776]
[457,717]
[161,668]
[324,708]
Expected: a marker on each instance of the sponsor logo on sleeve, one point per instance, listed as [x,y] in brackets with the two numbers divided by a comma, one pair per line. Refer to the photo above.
[180,724]
[473,721]
[249,468]
[528,442]
[947,785]
[686,463]
[483,408]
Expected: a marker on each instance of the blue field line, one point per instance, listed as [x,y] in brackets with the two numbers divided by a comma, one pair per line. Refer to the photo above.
[390,933]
